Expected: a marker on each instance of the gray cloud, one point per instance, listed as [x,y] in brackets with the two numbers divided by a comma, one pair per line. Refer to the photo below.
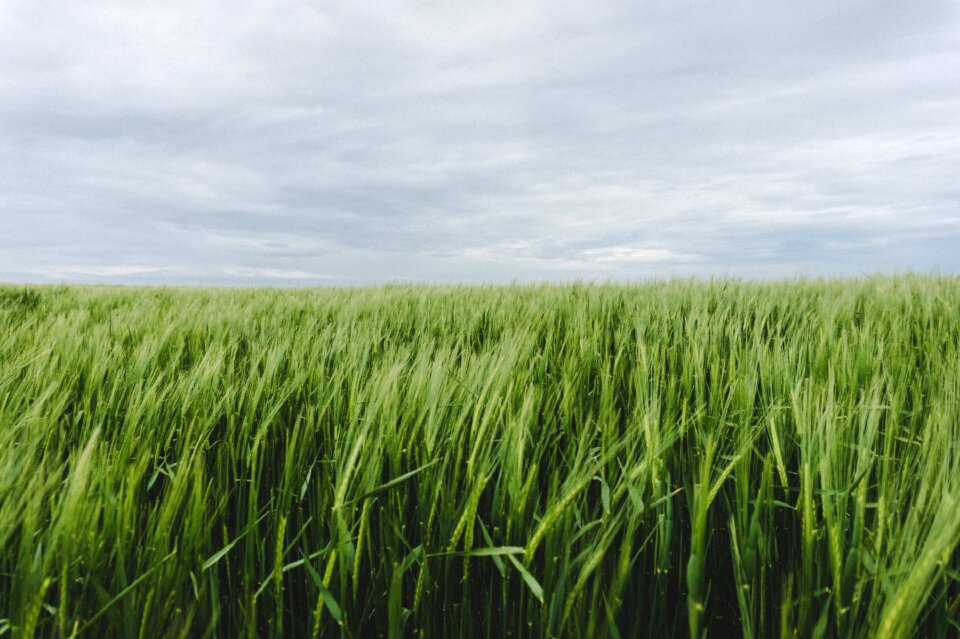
[297,143]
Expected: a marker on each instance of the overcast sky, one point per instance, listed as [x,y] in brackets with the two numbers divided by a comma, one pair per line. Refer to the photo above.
[347,143]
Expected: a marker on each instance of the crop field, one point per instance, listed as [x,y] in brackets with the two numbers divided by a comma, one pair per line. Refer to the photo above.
[681,458]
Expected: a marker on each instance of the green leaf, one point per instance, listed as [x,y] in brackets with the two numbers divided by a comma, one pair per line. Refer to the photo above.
[495,551]
[529,579]
[492,551]
[328,600]
[415,556]
[604,494]
[497,560]
[220,554]
[120,595]
[332,606]
[396,481]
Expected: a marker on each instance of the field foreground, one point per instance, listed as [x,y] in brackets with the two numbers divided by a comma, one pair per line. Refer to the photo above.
[679,459]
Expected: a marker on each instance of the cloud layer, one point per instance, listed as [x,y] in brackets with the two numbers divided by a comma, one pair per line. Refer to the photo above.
[337,143]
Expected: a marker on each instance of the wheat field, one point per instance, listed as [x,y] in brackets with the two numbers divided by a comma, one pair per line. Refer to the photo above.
[671,459]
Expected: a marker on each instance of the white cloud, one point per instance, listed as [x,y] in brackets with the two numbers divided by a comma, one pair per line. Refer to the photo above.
[279,274]
[102,271]
[248,142]
[629,254]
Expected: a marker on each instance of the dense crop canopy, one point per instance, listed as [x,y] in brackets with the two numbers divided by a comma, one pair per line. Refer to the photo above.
[672,459]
